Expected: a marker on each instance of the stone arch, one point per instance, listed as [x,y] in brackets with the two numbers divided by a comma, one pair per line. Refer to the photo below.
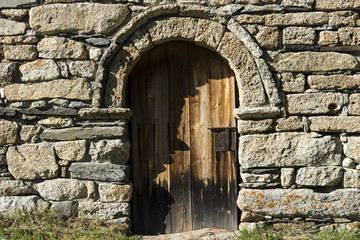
[258,95]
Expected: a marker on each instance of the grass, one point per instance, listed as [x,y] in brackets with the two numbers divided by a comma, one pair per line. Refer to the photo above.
[46,225]
[297,232]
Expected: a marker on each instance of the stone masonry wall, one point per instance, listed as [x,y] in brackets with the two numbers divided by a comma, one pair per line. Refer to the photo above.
[60,150]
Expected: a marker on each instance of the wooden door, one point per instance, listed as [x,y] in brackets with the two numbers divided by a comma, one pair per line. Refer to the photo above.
[179,92]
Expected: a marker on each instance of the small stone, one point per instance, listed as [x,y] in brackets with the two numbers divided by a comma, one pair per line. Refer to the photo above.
[64,69]
[59,102]
[71,150]
[104,211]
[314,103]
[307,62]
[98,41]
[354,100]
[10,27]
[348,163]
[78,104]
[61,189]
[29,131]
[82,68]
[20,52]
[343,19]
[349,36]
[9,131]
[299,35]
[61,48]
[78,133]
[15,14]
[7,74]
[32,161]
[299,19]
[254,126]
[292,82]
[83,18]
[338,82]
[248,226]
[351,178]
[10,205]
[110,151]
[92,190]
[15,187]
[65,208]
[62,88]
[100,172]
[39,70]
[259,178]
[319,176]
[289,150]
[38,104]
[95,53]
[343,124]
[287,177]
[110,192]
[20,104]
[251,217]
[57,122]
[291,123]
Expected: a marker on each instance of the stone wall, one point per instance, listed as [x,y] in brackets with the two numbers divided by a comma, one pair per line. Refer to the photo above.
[65,142]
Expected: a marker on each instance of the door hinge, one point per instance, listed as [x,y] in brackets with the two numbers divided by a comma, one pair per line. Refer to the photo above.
[225,138]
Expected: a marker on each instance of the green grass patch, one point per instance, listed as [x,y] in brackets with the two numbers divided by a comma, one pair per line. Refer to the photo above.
[44,225]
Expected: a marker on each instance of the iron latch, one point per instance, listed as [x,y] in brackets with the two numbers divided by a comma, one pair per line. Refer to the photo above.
[225,138]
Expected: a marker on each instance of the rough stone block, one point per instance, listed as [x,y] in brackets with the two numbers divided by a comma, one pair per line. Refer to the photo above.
[292,82]
[10,27]
[105,211]
[346,124]
[15,14]
[7,74]
[334,82]
[82,68]
[62,88]
[319,176]
[291,123]
[354,101]
[349,163]
[328,38]
[351,148]
[301,202]
[72,151]
[314,103]
[251,217]
[259,178]
[56,122]
[250,19]
[83,18]
[268,37]
[9,131]
[39,70]
[336,5]
[10,205]
[32,161]
[308,62]
[343,19]
[20,52]
[79,133]
[29,131]
[304,4]
[288,150]
[298,19]
[287,177]
[351,178]
[61,189]
[15,187]
[109,192]
[349,36]
[209,32]
[65,208]
[100,172]
[110,151]
[256,112]
[59,47]
[299,35]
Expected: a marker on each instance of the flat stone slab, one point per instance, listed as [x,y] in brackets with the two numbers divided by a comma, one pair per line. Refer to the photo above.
[77,18]
[9,205]
[9,27]
[288,150]
[105,113]
[79,133]
[100,172]
[301,203]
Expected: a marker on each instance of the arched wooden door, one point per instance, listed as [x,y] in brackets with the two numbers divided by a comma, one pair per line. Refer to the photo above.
[180,92]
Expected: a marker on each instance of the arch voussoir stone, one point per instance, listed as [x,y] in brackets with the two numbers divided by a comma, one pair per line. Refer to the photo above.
[175,22]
